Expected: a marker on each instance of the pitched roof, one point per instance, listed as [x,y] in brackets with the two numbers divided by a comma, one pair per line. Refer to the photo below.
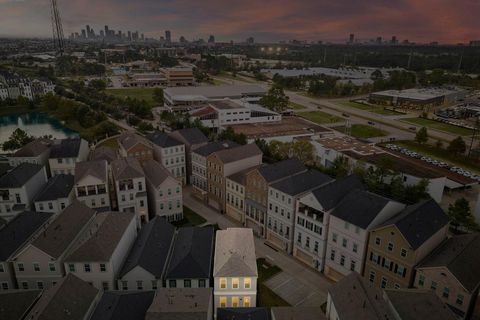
[235,253]
[127,168]
[360,207]
[175,304]
[65,148]
[212,147]
[240,177]
[155,173]
[64,229]
[242,314]
[151,248]
[302,182]
[15,304]
[96,168]
[298,313]
[419,222]
[192,135]
[18,231]
[101,245]
[331,194]
[57,187]
[104,153]
[238,153]
[192,254]
[34,148]
[71,298]
[130,139]
[123,305]
[19,175]
[461,256]
[281,169]
[163,140]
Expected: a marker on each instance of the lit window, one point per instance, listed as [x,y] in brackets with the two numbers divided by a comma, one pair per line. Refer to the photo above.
[246,302]
[223,283]
[235,302]
[223,302]
[235,282]
[247,283]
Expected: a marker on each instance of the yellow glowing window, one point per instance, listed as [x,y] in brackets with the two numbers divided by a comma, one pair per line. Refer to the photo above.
[223,302]
[246,302]
[235,302]
[235,282]
[247,283]
[223,283]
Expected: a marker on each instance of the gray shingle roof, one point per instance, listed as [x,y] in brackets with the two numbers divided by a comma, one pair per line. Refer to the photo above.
[281,169]
[130,139]
[360,208]
[419,222]
[19,175]
[123,305]
[15,304]
[127,168]
[151,248]
[192,254]
[57,187]
[15,234]
[192,135]
[155,172]
[101,245]
[242,314]
[97,169]
[331,194]
[212,147]
[65,148]
[180,304]
[298,313]
[235,253]
[104,153]
[238,153]
[461,256]
[163,140]
[34,148]
[240,177]
[302,182]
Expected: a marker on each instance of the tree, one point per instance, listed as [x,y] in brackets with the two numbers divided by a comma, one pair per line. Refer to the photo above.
[457,146]
[17,139]
[303,150]
[158,95]
[422,136]
[341,168]
[275,99]
[461,215]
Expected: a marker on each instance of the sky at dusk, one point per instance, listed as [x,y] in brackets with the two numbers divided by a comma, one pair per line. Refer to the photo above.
[267,20]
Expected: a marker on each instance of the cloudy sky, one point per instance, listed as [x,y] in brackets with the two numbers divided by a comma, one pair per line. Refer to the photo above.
[267,20]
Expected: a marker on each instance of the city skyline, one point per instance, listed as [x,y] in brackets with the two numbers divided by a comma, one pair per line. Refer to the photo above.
[427,21]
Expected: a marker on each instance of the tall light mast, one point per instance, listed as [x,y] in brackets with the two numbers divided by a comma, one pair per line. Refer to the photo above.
[58,38]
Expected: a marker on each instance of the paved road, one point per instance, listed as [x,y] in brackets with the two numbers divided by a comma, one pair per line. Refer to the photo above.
[297,284]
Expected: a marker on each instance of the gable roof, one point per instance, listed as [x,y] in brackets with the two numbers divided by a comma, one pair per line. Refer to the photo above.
[180,303]
[298,313]
[238,153]
[65,148]
[129,139]
[192,254]
[163,140]
[18,231]
[64,229]
[123,305]
[34,148]
[15,304]
[151,248]
[281,169]
[302,182]
[330,195]
[104,153]
[235,253]
[461,256]
[96,168]
[240,177]
[19,175]
[212,147]
[419,222]
[101,245]
[192,135]
[242,314]
[127,168]
[155,173]
[57,187]
[360,207]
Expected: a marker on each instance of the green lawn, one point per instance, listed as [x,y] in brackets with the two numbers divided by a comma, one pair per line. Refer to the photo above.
[320,117]
[138,93]
[266,297]
[9,110]
[363,131]
[295,106]
[190,219]
[432,124]
[370,108]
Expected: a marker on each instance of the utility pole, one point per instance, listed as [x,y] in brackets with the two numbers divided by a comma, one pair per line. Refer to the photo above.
[409,60]
[460,62]
[57,29]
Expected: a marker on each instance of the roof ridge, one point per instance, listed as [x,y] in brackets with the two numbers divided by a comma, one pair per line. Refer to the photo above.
[474,237]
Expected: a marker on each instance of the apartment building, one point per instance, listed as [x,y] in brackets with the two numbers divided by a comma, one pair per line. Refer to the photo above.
[132,145]
[198,178]
[56,195]
[170,153]
[400,243]
[130,187]
[312,219]
[257,182]
[13,236]
[348,233]
[146,263]
[99,258]
[282,202]
[235,269]
[191,260]
[235,190]
[91,184]
[224,163]
[36,152]
[65,153]
[39,264]
[164,192]
[19,187]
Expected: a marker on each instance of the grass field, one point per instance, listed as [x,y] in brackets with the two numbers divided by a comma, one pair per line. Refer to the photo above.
[370,108]
[266,297]
[363,131]
[295,106]
[432,124]
[320,117]
[138,93]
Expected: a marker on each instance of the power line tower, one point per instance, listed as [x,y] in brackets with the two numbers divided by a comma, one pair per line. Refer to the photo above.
[58,38]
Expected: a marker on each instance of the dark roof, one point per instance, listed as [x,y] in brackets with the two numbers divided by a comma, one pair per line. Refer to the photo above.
[129,139]
[65,148]
[57,187]
[15,304]
[104,153]
[240,177]
[34,148]
[123,305]
[298,313]
[127,168]
[20,175]
[242,314]
[330,195]
[281,169]
[238,153]
[212,147]
[151,248]
[155,173]
[192,135]
[163,140]
[302,182]
[461,256]
[419,222]
[19,230]
[360,207]
[95,168]
[181,304]
[192,254]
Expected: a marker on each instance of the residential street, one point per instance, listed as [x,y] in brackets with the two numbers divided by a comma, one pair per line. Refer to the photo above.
[297,284]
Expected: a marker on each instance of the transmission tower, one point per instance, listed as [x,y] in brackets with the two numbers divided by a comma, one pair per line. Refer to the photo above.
[58,39]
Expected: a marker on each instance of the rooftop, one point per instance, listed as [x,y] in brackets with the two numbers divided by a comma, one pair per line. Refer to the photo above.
[282,169]
[303,182]
[240,177]
[97,169]
[330,195]
[171,304]
[129,139]
[238,153]
[212,147]
[235,253]
[34,148]
[192,135]
[298,313]
[15,304]
[243,314]
[155,173]
[123,305]
[344,143]
[224,104]
[127,168]
[163,140]
[417,94]
[215,92]
[104,153]
[65,148]
[20,175]
[58,187]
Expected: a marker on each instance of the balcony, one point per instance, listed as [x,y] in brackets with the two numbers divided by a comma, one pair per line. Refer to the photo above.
[311,212]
